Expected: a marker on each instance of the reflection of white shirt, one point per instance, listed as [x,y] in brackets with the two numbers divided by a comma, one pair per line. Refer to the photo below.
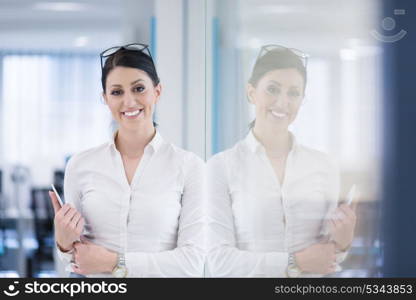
[157,221]
[254,222]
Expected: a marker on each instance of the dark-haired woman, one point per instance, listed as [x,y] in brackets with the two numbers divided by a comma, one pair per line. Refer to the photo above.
[269,198]
[139,196]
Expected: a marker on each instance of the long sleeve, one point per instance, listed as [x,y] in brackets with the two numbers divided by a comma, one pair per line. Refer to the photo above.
[224,258]
[187,259]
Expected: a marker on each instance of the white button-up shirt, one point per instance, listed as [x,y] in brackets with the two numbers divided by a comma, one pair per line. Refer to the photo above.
[254,221]
[157,221]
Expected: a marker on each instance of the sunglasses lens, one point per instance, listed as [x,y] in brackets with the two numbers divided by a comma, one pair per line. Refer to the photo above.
[110,51]
[135,47]
[298,52]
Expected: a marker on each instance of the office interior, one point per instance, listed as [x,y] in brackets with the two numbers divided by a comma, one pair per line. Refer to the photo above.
[51,105]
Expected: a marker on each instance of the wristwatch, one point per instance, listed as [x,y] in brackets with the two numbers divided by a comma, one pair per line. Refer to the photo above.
[120,270]
[293,270]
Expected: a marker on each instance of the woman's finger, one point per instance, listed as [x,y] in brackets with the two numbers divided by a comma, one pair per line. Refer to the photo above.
[337,223]
[69,215]
[333,225]
[61,213]
[76,245]
[85,240]
[347,211]
[342,215]
[77,269]
[80,223]
[75,220]
[338,214]
[80,226]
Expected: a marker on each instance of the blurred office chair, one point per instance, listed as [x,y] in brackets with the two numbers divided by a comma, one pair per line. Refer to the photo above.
[43,215]
[43,212]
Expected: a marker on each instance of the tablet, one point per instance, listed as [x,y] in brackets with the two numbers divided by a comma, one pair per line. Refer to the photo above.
[351,194]
[57,195]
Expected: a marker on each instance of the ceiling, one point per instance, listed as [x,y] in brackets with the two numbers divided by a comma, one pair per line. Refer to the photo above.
[94,24]
[317,25]
[32,14]
[84,25]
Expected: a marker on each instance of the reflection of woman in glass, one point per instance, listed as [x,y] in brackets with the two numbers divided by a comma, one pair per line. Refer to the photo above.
[269,196]
[140,196]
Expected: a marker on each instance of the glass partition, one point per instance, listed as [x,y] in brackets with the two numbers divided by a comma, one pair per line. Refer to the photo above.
[317,148]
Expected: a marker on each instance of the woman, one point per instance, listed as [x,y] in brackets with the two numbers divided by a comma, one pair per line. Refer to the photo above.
[139,196]
[269,197]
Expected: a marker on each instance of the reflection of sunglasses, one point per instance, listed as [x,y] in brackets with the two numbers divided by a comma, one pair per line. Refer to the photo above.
[267,48]
[133,47]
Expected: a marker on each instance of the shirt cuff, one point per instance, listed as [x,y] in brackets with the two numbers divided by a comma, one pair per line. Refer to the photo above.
[65,257]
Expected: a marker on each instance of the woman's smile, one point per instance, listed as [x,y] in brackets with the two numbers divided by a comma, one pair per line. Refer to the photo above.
[279,115]
[133,114]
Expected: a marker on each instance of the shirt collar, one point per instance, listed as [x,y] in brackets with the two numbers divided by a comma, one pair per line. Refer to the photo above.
[254,145]
[113,140]
[155,143]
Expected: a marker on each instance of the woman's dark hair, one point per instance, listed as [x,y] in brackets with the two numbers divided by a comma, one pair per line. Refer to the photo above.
[277,59]
[131,59]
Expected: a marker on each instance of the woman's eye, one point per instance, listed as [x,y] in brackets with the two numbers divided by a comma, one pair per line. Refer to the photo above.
[273,90]
[139,89]
[294,94]
[116,92]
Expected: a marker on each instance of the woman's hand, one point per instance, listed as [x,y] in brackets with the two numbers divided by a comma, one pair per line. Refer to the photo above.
[318,258]
[68,224]
[92,259]
[342,225]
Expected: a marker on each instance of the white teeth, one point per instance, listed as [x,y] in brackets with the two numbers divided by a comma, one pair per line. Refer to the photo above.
[279,115]
[132,113]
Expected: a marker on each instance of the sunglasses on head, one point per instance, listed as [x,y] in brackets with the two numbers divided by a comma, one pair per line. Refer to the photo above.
[134,47]
[267,48]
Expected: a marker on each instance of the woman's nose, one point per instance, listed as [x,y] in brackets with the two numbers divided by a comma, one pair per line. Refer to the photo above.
[282,101]
[129,99]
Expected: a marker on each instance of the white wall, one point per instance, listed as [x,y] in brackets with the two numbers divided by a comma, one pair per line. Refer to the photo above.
[170,65]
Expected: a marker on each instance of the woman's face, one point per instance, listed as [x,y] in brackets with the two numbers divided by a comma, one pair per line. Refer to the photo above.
[131,97]
[277,97]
